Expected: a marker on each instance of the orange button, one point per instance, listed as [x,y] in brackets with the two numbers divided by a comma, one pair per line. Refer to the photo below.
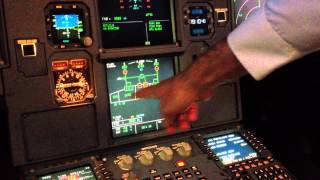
[181,163]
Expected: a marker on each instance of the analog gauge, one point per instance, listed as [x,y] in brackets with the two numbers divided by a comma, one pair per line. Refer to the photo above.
[72,81]
[245,8]
[72,86]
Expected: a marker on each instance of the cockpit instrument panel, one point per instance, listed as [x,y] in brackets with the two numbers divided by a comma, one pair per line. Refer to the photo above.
[136,23]
[129,114]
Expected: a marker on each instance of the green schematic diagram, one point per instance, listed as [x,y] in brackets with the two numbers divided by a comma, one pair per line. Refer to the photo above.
[135,82]
[131,115]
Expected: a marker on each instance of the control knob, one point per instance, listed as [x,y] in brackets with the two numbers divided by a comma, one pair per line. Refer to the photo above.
[165,153]
[124,162]
[146,158]
[87,41]
[184,149]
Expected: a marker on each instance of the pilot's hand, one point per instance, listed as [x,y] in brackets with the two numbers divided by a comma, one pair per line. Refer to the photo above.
[177,97]
[178,94]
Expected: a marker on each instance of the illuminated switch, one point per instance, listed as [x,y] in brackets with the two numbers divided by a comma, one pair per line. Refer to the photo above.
[29,50]
[28,47]
[222,16]
[180,163]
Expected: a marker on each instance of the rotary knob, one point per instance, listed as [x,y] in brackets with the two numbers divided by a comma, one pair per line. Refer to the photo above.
[87,41]
[146,158]
[124,162]
[184,149]
[164,153]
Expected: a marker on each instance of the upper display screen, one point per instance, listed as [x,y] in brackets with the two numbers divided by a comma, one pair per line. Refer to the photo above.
[125,77]
[81,173]
[67,27]
[245,8]
[136,23]
[231,148]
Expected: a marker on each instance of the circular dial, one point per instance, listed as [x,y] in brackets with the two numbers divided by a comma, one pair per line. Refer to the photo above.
[72,86]
[245,8]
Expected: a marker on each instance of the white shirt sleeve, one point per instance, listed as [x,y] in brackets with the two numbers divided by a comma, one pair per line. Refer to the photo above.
[277,34]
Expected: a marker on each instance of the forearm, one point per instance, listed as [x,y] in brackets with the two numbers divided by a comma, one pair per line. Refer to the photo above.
[217,65]
[280,32]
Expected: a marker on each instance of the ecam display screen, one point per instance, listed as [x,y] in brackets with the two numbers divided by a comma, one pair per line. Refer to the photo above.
[80,173]
[231,148]
[134,23]
[130,115]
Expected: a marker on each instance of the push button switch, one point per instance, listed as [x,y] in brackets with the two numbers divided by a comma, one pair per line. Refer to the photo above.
[222,16]
[28,47]
[29,50]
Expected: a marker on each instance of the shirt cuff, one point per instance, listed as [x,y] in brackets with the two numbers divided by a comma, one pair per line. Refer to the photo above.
[259,48]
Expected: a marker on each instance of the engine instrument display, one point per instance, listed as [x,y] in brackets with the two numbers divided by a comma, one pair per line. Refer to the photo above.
[72,81]
[131,115]
[134,23]
[67,24]
[231,148]
[80,173]
[200,20]
[245,8]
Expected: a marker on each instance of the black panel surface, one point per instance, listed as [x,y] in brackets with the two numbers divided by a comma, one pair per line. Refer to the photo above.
[59,132]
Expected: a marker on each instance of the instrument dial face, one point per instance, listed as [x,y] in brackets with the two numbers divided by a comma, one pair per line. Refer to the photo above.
[72,86]
[245,8]
[72,81]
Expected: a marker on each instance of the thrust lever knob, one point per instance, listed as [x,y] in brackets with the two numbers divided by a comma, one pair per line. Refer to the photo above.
[146,158]
[164,153]
[184,149]
[124,162]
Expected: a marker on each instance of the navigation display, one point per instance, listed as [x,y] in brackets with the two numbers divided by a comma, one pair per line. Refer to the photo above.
[125,77]
[133,23]
[81,173]
[231,148]
[245,8]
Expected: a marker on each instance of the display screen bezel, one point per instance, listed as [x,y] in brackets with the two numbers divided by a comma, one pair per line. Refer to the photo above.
[173,29]
[174,60]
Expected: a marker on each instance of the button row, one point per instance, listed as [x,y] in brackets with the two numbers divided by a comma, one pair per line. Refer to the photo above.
[179,175]
[274,172]
[102,172]
[247,165]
